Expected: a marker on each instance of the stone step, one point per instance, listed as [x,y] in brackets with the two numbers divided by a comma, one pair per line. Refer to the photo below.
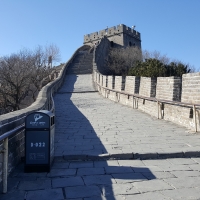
[82,63]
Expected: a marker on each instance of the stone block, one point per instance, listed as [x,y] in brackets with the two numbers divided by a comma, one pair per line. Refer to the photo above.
[50,194]
[35,185]
[82,192]
[153,185]
[67,182]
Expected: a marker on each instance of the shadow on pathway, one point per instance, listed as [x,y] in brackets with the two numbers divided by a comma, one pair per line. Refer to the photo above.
[89,177]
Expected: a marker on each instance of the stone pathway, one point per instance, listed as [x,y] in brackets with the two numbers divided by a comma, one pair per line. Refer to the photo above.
[98,145]
[175,178]
[88,125]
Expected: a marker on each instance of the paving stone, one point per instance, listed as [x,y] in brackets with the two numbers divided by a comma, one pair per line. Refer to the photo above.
[185,193]
[98,180]
[96,198]
[90,171]
[152,185]
[147,169]
[67,182]
[196,160]
[50,194]
[118,170]
[61,172]
[186,173]
[12,184]
[61,165]
[119,197]
[119,189]
[34,185]
[82,191]
[131,163]
[128,177]
[106,163]
[169,168]
[147,196]
[157,175]
[13,195]
[182,161]
[79,164]
[157,162]
[195,167]
[74,199]
[182,182]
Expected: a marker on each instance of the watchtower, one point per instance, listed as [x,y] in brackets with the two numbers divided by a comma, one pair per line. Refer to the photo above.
[120,35]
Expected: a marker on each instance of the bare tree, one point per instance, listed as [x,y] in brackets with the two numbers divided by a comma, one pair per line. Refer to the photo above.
[23,74]
[43,60]
[52,54]
[174,63]
[40,70]
[15,72]
[157,55]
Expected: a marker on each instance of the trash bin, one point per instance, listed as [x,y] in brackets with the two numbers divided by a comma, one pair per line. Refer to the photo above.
[39,141]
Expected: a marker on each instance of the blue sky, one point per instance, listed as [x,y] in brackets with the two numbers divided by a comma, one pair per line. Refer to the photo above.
[169,26]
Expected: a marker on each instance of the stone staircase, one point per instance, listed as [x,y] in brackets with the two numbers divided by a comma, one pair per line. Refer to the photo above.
[82,63]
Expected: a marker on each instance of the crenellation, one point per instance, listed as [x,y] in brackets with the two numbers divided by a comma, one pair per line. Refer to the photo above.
[191,88]
[120,35]
[132,84]
[168,88]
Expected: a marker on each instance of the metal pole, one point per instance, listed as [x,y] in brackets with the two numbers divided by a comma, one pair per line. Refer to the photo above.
[195,119]
[5,165]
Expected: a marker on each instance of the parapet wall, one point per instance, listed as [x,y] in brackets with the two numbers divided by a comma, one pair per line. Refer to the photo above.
[159,97]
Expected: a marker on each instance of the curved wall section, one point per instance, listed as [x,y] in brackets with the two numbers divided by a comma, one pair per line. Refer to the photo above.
[12,120]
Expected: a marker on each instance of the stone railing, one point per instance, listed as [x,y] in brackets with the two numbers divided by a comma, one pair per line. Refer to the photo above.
[176,99]
[12,120]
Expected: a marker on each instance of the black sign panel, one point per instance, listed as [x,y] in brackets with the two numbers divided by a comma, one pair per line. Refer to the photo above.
[37,147]
[37,120]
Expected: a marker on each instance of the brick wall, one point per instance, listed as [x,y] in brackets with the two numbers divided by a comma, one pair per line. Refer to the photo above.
[104,80]
[191,88]
[169,88]
[118,83]
[101,80]
[111,82]
[132,84]
[147,87]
